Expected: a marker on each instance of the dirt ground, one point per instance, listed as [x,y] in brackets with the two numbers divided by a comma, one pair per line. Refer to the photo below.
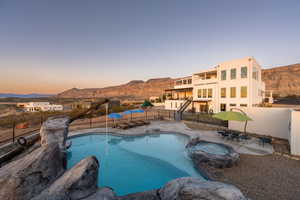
[263,177]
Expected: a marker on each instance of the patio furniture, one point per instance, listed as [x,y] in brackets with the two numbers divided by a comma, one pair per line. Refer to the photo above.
[234,136]
[122,126]
[265,140]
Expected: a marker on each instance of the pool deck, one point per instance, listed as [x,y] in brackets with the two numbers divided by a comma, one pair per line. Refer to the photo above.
[251,147]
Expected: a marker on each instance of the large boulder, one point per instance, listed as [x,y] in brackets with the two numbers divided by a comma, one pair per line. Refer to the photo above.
[189,188]
[55,130]
[77,183]
[103,193]
[28,176]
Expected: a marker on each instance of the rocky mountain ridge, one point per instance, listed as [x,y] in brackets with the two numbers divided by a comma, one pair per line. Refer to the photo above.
[283,81]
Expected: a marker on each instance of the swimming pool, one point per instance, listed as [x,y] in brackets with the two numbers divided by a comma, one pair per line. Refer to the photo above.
[135,163]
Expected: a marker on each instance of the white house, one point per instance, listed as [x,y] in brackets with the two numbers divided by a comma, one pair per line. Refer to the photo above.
[41,106]
[231,84]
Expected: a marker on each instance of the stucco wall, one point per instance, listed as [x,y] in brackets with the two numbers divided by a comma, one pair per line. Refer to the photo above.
[266,121]
[295,133]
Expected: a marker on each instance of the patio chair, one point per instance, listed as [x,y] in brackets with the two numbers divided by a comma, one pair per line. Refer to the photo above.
[265,140]
[234,136]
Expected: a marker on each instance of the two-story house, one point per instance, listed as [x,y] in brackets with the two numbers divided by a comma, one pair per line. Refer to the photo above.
[231,84]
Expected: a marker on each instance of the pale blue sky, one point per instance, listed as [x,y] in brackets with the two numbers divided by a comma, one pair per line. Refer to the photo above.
[52,45]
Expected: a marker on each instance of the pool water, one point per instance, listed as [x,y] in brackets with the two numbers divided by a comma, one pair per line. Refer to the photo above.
[135,164]
[211,148]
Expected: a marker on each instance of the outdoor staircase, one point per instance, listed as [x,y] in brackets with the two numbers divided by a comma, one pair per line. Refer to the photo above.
[183,107]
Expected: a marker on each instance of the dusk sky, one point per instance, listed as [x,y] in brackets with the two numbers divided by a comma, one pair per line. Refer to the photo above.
[47,46]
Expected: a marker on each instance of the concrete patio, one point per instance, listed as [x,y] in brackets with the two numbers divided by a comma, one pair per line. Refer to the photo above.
[251,147]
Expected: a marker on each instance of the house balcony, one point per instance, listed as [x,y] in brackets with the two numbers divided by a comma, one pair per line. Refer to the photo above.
[207,77]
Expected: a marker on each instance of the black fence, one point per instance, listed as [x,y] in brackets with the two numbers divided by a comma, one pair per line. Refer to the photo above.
[12,134]
[203,118]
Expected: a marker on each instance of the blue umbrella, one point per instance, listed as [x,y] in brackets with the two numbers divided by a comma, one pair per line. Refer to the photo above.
[115,116]
[127,112]
[138,111]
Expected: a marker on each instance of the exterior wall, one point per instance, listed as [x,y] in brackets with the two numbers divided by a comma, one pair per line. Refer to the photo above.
[295,133]
[273,122]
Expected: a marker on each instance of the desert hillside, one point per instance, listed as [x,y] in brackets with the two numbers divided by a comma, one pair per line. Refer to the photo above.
[284,80]
[136,89]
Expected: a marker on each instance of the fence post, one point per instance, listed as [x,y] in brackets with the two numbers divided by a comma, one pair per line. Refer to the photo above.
[14,124]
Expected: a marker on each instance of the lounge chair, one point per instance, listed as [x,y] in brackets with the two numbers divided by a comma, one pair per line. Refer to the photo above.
[122,126]
[144,122]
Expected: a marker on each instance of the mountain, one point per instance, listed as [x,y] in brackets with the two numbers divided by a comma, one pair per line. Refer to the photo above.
[136,89]
[283,81]
[33,95]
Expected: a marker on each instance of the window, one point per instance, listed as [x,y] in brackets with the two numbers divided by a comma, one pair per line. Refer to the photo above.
[184,82]
[232,92]
[243,105]
[255,73]
[204,94]
[232,105]
[199,93]
[223,92]
[223,107]
[243,92]
[233,74]
[244,72]
[209,93]
[223,75]
[190,81]
[178,82]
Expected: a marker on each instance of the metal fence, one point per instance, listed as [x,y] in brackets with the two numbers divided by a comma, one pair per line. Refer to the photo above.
[8,135]
[203,118]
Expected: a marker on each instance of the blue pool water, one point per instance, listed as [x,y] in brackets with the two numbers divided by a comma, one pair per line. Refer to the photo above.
[135,164]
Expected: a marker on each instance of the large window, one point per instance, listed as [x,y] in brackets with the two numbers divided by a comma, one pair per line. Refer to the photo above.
[223,75]
[190,81]
[209,93]
[233,74]
[232,92]
[199,93]
[223,92]
[204,93]
[244,72]
[243,92]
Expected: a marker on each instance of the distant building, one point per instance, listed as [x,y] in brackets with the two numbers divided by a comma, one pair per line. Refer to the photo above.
[154,99]
[231,84]
[83,104]
[39,106]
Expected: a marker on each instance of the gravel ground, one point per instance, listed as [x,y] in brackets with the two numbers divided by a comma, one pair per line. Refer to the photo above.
[269,177]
